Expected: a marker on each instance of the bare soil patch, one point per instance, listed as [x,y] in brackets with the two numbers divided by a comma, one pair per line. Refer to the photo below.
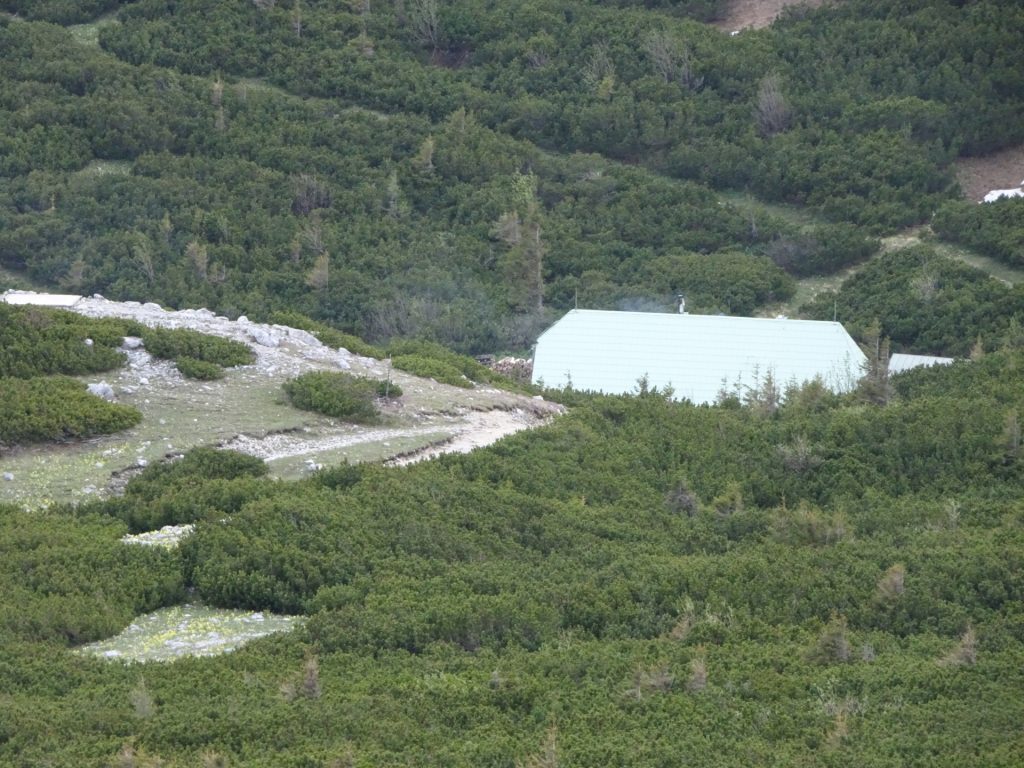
[755,14]
[980,175]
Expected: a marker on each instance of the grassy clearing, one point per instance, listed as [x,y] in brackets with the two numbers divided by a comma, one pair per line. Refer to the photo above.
[924,235]
[175,418]
[247,85]
[998,270]
[189,630]
[89,34]
[808,288]
[107,168]
[751,205]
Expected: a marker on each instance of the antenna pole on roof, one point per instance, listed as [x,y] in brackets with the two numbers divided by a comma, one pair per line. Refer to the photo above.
[835,309]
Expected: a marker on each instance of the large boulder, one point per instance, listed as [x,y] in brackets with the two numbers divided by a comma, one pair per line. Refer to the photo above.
[102,389]
[265,337]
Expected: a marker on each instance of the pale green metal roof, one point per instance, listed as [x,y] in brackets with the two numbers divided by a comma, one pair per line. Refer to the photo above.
[900,362]
[695,354]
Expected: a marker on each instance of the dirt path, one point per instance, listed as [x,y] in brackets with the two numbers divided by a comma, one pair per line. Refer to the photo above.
[980,175]
[743,14]
[481,428]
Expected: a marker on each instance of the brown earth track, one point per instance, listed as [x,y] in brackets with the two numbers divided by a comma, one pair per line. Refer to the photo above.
[756,14]
[1000,170]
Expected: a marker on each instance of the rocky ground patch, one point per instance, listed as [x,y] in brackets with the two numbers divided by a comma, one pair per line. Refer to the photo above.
[247,411]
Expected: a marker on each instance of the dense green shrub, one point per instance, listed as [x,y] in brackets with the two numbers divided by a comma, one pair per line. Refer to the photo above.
[736,283]
[388,389]
[995,229]
[199,369]
[196,466]
[57,408]
[173,343]
[431,368]
[547,574]
[36,342]
[464,364]
[340,395]
[61,11]
[821,250]
[67,579]
[332,337]
[926,303]
[183,502]
[538,601]
[204,484]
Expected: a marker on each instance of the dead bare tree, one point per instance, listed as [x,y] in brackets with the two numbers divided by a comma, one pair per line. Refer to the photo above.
[671,60]
[425,23]
[318,277]
[772,111]
[310,194]
[196,254]
[599,72]
[297,18]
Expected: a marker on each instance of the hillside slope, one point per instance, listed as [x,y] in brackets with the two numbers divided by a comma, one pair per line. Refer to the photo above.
[247,411]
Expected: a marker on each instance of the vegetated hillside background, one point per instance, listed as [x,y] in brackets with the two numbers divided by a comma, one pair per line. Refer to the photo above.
[463,171]
[832,581]
[825,583]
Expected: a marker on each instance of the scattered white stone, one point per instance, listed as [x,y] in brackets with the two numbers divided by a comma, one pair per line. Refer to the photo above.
[153,306]
[8,476]
[132,342]
[89,342]
[143,381]
[997,194]
[242,319]
[141,463]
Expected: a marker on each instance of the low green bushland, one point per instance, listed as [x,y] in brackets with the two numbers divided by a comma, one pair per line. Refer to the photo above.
[926,303]
[821,250]
[431,368]
[67,579]
[57,408]
[206,484]
[811,583]
[198,369]
[174,343]
[36,341]
[995,229]
[431,360]
[339,395]
[332,337]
